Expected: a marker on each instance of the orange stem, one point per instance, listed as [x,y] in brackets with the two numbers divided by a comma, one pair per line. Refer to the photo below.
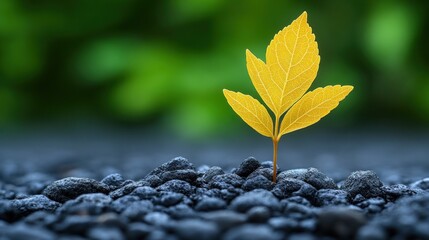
[275,148]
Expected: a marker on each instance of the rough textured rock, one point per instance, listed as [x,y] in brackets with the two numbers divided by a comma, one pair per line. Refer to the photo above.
[70,188]
[177,186]
[311,176]
[255,198]
[247,167]
[365,183]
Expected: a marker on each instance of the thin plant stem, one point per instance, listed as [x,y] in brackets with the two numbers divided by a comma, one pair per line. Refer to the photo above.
[275,147]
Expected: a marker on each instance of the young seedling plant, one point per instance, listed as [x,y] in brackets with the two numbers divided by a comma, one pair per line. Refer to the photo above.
[292,61]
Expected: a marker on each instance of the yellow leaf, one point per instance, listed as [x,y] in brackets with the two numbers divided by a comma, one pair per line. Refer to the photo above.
[312,107]
[293,60]
[251,111]
[261,79]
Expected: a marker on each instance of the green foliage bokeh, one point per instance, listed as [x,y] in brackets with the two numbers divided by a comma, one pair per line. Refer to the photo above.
[166,62]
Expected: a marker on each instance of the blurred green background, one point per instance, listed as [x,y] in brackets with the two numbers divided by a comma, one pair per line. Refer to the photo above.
[164,63]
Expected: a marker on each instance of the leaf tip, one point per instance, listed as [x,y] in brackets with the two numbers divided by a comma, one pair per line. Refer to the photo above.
[348,88]
[303,16]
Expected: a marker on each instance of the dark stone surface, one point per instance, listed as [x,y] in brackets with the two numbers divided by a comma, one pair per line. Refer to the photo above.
[177,186]
[258,214]
[19,208]
[225,181]
[257,182]
[211,172]
[178,163]
[255,198]
[365,183]
[247,167]
[210,204]
[114,181]
[342,222]
[72,187]
[311,176]
[293,187]
[92,204]
[127,189]
[191,229]
[332,197]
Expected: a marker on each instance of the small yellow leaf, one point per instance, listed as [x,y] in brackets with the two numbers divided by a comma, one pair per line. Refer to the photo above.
[251,111]
[312,107]
[261,79]
[293,60]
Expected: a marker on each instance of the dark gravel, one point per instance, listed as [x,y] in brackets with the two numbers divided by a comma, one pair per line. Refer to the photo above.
[179,201]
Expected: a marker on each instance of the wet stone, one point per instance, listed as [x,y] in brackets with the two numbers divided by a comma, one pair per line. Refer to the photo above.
[225,181]
[127,189]
[25,231]
[72,187]
[396,191]
[93,204]
[177,186]
[178,163]
[153,180]
[247,167]
[120,204]
[211,172]
[191,229]
[265,172]
[181,211]
[157,219]
[75,224]
[284,224]
[293,187]
[210,204]
[225,219]
[168,199]
[298,211]
[137,210]
[144,193]
[365,183]
[187,175]
[114,181]
[258,214]
[23,207]
[255,198]
[331,197]
[311,176]
[257,182]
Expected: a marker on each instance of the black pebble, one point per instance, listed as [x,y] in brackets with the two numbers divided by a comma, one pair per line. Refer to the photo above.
[70,188]
[365,183]
[247,167]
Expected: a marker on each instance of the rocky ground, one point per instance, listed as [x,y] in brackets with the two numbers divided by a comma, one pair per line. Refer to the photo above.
[178,201]
[84,196]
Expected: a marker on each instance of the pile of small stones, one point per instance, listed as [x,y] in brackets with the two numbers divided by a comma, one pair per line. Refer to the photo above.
[178,201]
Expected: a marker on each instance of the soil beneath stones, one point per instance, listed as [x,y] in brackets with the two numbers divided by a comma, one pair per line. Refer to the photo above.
[126,187]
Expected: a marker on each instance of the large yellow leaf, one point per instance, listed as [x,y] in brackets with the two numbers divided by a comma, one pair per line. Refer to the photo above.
[312,107]
[293,60]
[251,111]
